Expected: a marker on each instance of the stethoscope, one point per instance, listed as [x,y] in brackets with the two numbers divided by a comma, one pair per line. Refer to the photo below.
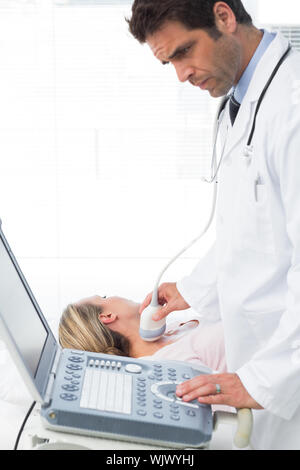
[215,167]
[149,329]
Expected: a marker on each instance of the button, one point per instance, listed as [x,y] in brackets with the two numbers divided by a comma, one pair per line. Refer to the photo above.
[107,364]
[141,399]
[74,367]
[70,387]
[133,368]
[186,376]
[174,407]
[68,396]
[158,402]
[175,417]
[191,413]
[76,359]
[157,414]
[142,412]
[119,365]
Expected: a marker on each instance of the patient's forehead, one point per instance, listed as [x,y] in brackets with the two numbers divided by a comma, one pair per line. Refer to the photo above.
[94,300]
[99,301]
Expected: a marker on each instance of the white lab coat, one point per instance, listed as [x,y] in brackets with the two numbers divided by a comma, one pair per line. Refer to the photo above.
[251,276]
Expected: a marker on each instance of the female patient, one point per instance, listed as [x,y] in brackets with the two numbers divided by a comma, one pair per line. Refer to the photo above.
[111,326]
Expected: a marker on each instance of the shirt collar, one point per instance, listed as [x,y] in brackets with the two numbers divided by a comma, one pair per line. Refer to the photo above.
[244,82]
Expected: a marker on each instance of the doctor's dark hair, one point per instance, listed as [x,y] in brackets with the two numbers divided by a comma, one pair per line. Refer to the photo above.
[80,328]
[148,16]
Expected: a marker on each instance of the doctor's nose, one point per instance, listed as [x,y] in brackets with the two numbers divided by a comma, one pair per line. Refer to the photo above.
[184,73]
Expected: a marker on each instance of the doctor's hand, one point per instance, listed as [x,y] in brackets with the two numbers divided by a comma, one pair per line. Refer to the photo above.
[217,389]
[169,298]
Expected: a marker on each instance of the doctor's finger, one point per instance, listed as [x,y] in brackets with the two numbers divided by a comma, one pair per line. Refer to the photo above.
[145,303]
[164,311]
[200,392]
[189,385]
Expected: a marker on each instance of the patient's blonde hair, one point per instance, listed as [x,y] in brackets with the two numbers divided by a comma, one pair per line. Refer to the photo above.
[80,328]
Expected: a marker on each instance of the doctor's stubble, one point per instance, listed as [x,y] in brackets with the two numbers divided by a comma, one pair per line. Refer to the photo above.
[226,60]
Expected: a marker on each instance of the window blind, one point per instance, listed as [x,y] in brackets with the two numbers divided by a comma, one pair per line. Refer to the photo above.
[92,124]
[291,32]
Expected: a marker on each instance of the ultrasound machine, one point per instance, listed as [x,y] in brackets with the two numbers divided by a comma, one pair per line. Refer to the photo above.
[97,395]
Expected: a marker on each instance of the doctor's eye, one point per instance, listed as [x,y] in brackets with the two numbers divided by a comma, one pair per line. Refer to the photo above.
[183,52]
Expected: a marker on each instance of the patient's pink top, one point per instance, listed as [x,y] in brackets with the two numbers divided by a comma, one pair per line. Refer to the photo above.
[202,345]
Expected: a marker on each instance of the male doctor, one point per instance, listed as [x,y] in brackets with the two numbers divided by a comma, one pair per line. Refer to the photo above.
[251,276]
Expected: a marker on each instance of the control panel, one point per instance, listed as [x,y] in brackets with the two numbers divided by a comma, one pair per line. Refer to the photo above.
[125,398]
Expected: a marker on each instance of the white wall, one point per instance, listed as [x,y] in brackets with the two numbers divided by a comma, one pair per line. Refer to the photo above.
[102,152]
[279,12]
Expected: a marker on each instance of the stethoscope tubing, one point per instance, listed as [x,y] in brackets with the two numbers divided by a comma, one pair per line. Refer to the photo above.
[220,113]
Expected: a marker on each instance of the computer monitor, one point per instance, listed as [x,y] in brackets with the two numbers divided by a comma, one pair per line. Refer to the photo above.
[26,330]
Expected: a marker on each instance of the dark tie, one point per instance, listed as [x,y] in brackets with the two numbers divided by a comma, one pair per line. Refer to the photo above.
[234,107]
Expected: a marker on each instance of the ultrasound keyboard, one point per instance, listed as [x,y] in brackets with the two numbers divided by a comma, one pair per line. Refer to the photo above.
[128,399]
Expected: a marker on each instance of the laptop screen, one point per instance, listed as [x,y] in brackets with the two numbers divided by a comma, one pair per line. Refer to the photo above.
[20,314]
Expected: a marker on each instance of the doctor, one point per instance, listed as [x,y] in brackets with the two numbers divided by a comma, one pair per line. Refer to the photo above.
[251,276]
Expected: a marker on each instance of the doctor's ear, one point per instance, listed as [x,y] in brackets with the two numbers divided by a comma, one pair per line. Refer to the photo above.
[107,318]
[225,18]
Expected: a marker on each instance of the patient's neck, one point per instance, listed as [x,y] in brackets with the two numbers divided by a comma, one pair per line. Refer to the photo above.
[139,347]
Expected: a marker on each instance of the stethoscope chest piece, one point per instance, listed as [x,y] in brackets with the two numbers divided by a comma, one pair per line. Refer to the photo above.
[248,155]
[248,151]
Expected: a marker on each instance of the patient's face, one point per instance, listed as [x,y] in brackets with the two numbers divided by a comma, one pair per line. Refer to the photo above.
[124,308]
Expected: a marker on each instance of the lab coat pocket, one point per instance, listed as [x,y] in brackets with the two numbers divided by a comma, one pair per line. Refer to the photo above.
[253,225]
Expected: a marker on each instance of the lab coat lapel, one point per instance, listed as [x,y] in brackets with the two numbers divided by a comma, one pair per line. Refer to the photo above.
[244,120]
[241,126]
